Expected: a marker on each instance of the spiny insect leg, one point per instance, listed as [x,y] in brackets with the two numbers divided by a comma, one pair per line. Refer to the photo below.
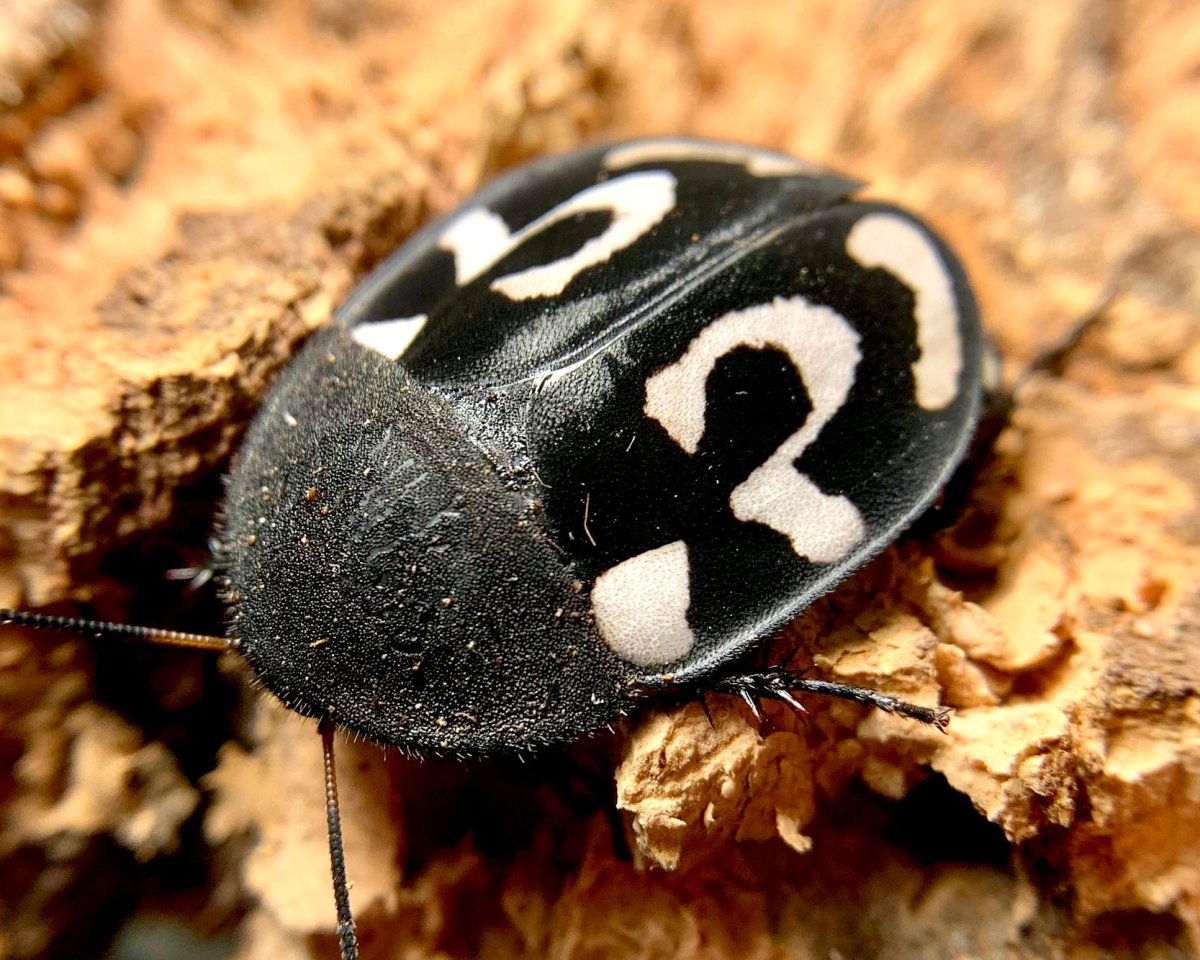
[779,683]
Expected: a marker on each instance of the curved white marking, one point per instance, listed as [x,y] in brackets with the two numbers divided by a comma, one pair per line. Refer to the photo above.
[641,606]
[479,238]
[904,250]
[390,337]
[824,349]
[759,163]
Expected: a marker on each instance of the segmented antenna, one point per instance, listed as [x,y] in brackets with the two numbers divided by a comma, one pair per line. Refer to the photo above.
[102,628]
[347,938]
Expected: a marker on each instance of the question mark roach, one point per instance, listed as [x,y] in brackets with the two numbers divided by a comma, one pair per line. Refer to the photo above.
[590,439]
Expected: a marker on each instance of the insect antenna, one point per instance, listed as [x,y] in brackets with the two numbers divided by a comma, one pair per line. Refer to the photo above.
[346,933]
[104,628]
[347,938]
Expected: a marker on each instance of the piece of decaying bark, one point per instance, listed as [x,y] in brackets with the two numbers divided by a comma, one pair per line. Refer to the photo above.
[187,188]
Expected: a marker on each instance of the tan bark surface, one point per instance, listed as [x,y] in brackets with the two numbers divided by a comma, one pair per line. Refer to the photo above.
[188,186]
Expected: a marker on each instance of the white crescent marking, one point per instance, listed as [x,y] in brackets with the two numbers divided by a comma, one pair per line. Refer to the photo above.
[901,248]
[479,238]
[759,163]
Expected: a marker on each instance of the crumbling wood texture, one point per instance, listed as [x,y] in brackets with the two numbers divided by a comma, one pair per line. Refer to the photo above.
[188,186]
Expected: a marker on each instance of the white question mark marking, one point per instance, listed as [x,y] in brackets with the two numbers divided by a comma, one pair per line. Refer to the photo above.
[479,238]
[824,350]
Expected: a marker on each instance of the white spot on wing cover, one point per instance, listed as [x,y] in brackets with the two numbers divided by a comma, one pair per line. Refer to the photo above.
[389,337]
[900,247]
[824,349]
[759,163]
[641,605]
[479,238]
